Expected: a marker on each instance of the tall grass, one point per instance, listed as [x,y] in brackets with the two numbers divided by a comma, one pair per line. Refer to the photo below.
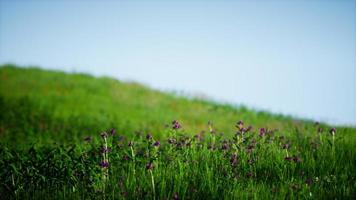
[259,164]
[52,145]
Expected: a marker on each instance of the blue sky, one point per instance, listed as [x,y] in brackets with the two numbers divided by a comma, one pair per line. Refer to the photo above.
[291,57]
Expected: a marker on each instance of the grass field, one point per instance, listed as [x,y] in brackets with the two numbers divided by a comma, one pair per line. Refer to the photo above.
[75,136]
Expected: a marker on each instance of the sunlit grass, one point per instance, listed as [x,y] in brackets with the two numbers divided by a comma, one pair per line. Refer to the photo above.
[51,148]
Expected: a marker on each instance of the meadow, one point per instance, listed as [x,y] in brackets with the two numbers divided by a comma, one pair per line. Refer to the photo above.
[75,136]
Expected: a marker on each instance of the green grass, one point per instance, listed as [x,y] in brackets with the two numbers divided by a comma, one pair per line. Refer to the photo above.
[45,116]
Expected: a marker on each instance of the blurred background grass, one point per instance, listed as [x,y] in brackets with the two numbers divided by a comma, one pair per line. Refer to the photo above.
[41,106]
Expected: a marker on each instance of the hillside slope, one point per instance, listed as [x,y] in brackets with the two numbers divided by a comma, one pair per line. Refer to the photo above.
[45,152]
[55,106]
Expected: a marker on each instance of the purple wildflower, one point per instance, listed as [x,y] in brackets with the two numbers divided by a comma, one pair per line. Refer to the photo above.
[225,146]
[297,159]
[149,166]
[249,174]
[176,125]
[262,132]
[249,128]
[125,158]
[88,139]
[286,146]
[211,130]
[239,124]
[320,130]
[302,173]
[113,131]
[332,131]
[171,141]
[309,181]
[233,160]
[104,135]
[200,136]
[294,187]
[175,196]
[149,136]
[104,164]
[156,144]
[250,148]
[105,149]
[211,147]
[131,143]
[288,158]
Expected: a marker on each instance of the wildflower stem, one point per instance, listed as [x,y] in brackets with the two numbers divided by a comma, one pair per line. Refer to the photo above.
[333,148]
[106,159]
[133,158]
[13,181]
[153,184]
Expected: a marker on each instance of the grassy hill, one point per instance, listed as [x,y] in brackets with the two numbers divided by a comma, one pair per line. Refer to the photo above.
[46,118]
[69,106]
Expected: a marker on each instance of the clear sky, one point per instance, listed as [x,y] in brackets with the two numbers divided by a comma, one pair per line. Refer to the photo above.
[291,57]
